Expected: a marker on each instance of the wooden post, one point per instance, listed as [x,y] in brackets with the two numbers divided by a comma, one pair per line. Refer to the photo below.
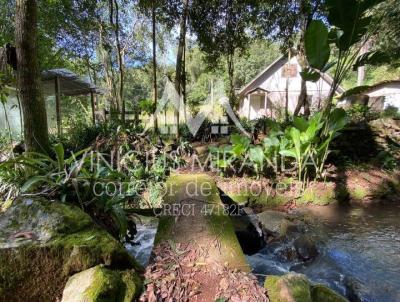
[265,110]
[93,103]
[58,105]
[249,95]
[265,103]
[270,109]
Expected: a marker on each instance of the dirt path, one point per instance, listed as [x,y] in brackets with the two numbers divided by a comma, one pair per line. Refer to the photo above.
[197,253]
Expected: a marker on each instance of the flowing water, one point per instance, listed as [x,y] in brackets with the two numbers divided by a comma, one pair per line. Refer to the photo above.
[359,256]
[146,228]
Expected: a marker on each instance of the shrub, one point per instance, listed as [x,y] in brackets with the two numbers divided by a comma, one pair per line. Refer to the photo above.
[304,144]
[359,113]
[391,112]
[4,141]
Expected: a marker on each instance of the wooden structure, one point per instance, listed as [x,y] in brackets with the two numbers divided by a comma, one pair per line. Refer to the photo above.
[63,82]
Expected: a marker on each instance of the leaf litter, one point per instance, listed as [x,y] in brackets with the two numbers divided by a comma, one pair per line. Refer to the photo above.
[181,273]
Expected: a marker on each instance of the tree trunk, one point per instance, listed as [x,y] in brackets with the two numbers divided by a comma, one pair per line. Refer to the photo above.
[302,99]
[108,74]
[360,75]
[120,62]
[154,67]
[231,73]
[361,70]
[179,71]
[287,100]
[184,82]
[287,90]
[28,75]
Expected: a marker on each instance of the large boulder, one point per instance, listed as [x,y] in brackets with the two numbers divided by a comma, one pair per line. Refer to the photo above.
[42,243]
[294,287]
[99,284]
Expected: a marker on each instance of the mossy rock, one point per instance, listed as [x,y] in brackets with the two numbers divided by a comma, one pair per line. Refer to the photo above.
[45,219]
[322,293]
[294,287]
[288,288]
[42,243]
[99,284]
[273,221]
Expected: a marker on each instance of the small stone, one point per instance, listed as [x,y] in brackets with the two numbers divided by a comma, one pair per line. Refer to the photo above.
[305,248]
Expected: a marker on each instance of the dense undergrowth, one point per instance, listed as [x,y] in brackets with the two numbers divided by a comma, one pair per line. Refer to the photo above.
[106,168]
[103,169]
[300,147]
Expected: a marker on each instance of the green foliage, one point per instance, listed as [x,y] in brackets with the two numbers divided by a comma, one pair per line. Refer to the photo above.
[387,37]
[350,21]
[86,178]
[83,135]
[257,56]
[391,112]
[388,161]
[374,58]
[146,106]
[318,53]
[303,144]
[358,113]
[4,141]
[231,156]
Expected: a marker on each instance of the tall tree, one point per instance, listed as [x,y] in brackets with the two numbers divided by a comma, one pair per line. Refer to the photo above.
[114,9]
[155,9]
[386,37]
[222,30]
[180,69]
[32,101]
[154,42]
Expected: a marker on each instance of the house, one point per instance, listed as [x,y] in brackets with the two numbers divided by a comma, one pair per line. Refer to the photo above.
[378,96]
[266,94]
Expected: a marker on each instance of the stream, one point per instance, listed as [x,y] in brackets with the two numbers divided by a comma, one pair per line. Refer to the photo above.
[146,228]
[359,256]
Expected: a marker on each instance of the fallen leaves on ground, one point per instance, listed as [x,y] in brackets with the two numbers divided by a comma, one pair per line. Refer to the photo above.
[179,272]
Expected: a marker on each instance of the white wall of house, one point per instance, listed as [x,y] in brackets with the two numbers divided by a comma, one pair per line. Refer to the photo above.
[379,96]
[274,83]
[390,93]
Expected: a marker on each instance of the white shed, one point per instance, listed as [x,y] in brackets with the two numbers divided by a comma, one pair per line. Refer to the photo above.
[384,94]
